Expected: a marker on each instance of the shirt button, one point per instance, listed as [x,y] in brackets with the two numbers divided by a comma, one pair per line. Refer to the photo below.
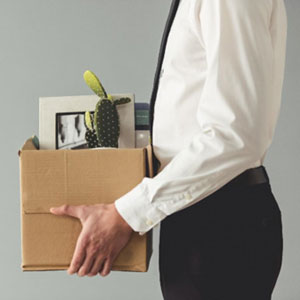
[188,196]
[149,222]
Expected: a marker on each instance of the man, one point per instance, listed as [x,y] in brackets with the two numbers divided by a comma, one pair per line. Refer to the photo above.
[216,108]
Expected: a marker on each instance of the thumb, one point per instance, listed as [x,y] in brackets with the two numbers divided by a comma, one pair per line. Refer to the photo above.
[69,210]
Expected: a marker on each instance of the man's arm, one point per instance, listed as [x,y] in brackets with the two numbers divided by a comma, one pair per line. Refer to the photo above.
[232,113]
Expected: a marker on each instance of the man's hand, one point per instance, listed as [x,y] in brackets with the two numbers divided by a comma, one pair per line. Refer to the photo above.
[104,234]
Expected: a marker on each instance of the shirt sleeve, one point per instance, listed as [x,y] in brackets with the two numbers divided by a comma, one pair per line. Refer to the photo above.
[233,113]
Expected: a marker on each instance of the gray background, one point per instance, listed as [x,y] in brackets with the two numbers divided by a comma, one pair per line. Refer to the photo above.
[45,46]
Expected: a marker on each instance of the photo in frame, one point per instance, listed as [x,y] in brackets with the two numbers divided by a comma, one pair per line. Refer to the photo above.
[61,121]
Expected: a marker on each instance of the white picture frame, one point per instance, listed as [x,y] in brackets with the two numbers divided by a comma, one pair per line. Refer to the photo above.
[52,109]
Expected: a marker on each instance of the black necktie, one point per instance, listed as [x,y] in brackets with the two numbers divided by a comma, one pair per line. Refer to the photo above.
[163,44]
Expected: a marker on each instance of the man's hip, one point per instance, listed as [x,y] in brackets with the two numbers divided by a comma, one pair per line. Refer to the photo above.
[226,246]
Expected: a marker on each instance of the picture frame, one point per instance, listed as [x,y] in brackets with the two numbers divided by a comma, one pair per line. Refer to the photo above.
[61,121]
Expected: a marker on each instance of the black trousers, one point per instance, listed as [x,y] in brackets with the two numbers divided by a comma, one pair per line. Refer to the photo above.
[227,246]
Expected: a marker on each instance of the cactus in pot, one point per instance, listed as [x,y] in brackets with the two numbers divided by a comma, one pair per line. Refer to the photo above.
[103,127]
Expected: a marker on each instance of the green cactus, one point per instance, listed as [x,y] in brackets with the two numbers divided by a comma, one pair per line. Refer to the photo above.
[104,129]
[89,121]
[94,83]
[90,134]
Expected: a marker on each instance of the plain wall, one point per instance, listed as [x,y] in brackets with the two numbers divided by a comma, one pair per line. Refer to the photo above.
[45,47]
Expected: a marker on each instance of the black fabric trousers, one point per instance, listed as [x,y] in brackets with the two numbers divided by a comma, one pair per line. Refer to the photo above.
[228,246]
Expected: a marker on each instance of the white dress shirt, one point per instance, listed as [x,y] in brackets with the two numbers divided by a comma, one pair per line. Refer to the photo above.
[217,103]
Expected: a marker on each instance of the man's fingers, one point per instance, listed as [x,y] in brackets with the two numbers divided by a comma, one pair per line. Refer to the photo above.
[86,266]
[78,256]
[106,267]
[70,210]
[97,265]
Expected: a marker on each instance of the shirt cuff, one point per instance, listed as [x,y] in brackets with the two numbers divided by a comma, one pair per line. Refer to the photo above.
[137,210]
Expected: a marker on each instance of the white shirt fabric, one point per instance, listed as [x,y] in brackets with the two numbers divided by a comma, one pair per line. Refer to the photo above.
[217,103]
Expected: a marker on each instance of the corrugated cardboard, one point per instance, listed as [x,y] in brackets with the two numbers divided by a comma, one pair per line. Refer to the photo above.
[85,176]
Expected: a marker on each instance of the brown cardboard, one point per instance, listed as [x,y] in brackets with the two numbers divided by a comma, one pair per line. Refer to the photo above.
[84,176]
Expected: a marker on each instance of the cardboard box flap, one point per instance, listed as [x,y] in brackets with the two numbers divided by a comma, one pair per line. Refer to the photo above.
[28,145]
[57,177]
[149,160]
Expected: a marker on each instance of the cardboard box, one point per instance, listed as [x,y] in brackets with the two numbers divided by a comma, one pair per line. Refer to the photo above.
[83,176]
